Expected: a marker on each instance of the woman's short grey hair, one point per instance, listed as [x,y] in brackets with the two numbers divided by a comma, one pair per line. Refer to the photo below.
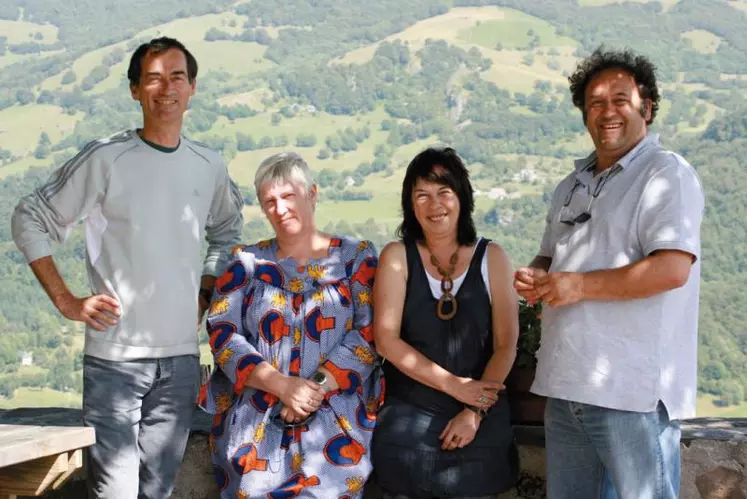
[281,168]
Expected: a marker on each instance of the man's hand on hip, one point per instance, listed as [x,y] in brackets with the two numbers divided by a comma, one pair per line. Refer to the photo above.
[98,311]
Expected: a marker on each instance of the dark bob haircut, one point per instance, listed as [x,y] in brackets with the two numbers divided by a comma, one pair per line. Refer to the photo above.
[642,70]
[454,176]
[158,46]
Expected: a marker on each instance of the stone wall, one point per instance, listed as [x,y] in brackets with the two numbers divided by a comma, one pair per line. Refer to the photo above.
[714,458]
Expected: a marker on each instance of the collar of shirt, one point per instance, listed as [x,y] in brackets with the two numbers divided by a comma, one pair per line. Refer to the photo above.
[585,166]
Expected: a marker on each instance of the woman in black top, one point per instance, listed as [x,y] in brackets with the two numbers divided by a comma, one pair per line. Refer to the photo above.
[445,319]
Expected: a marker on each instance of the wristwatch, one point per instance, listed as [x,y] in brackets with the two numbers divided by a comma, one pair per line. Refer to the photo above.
[321,379]
[477,410]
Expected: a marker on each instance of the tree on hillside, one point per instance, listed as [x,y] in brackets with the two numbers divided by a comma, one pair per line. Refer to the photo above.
[248,194]
[262,37]
[97,74]
[45,97]
[25,96]
[215,34]
[728,128]
[245,142]
[43,147]
[306,140]
[68,77]
[5,155]
[114,57]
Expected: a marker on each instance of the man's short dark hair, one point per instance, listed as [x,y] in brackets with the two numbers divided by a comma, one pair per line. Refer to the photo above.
[455,176]
[642,70]
[158,46]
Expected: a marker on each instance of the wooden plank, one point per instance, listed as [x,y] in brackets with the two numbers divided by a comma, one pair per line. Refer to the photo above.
[21,443]
[74,463]
[34,477]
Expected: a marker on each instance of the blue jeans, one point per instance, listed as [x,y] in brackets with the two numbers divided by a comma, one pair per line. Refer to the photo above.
[594,452]
[141,411]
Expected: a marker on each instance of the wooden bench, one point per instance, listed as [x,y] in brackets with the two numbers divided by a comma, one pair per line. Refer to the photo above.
[36,459]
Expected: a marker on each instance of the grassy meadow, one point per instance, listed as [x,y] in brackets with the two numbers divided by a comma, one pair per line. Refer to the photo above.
[23,31]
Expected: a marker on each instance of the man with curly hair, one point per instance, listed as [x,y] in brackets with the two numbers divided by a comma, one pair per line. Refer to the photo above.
[618,271]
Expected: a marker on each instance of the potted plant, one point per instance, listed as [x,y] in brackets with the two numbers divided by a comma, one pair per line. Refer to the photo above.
[526,407]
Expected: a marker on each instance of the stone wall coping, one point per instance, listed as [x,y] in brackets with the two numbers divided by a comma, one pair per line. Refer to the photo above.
[719,429]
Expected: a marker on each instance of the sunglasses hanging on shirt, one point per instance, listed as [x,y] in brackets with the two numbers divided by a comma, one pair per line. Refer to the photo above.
[584,216]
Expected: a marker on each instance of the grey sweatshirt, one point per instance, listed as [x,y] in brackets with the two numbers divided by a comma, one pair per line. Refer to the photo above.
[146,213]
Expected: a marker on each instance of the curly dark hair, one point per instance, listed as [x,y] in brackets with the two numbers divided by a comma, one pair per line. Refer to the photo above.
[455,176]
[642,70]
[157,46]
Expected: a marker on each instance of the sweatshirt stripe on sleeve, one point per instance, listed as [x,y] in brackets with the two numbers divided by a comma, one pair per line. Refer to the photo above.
[72,165]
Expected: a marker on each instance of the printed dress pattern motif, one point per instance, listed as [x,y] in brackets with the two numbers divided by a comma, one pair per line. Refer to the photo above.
[296,317]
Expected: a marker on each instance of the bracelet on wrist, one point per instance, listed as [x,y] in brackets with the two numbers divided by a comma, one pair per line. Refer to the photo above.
[477,410]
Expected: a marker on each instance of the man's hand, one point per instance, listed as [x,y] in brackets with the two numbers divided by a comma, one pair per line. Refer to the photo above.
[558,289]
[460,430]
[525,283]
[98,311]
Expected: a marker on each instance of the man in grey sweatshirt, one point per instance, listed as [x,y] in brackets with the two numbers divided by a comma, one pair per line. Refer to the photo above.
[147,198]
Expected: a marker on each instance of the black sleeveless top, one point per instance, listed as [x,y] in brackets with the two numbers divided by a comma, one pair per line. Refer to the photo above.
[462,345]
[406,448]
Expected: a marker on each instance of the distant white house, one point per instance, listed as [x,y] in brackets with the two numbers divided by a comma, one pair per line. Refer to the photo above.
[497,193]
[26,358]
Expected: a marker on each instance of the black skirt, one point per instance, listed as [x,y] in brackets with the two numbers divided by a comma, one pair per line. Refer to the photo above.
[408,459]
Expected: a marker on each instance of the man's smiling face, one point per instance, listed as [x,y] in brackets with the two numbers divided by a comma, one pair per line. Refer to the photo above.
[616,114]
[164,88]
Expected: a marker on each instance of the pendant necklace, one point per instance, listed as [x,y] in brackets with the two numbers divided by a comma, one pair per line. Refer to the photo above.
[447,284]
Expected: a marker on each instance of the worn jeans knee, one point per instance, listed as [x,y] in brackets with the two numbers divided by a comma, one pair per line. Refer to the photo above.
[141,411]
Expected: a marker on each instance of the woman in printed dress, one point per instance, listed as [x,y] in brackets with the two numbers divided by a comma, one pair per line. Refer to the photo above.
[297,382]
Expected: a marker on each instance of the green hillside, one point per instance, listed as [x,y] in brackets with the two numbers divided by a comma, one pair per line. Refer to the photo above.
[358,88]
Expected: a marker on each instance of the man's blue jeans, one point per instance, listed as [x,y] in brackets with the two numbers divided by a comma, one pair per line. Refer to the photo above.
[141,411]
[599,453]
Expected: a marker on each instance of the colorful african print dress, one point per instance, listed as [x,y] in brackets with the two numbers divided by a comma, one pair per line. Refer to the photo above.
[295,317]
